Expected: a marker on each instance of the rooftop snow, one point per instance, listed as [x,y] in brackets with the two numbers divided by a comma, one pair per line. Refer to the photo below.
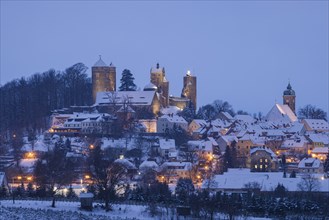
[120,97]
[281,113]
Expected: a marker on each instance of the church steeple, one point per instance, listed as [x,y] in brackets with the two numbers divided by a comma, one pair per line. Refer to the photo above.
[289,98]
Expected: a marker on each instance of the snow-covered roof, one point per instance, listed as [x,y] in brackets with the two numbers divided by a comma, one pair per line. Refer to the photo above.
[296,127]
[166,144]
[148,164]
[320,150]
[199,122]
[227,115]
[28,164]
[294,143]
[281,114]
[266,149]
[126,163]
[177,165]
[319,138]
[86,195]
[229,138]
[245,118]
[150,86]
[309,163]
[120,97]
[235,179]
[316,124]
[173,118]
[170,110]
[100,63]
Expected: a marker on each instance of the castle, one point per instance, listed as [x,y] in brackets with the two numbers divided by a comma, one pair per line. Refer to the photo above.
[156,92]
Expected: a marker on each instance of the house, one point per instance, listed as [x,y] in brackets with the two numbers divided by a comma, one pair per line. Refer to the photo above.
[225,116]
[316,125]
[148,164]
[226,140]
[150,125]
[263,159]
[168,122]
[310,165]
[166,146]
[196,124]
[172,171]
[295,144]
[281,114]
[317,140]
[320,153]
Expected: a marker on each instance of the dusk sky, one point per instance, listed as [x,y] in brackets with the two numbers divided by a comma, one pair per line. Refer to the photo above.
[243,52]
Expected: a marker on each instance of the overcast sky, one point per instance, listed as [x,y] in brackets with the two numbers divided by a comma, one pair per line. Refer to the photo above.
[244,52]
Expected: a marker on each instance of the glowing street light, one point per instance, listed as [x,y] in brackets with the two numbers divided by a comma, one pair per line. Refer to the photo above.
[87,177]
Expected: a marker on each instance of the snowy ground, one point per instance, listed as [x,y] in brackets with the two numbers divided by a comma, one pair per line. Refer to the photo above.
[41,210]
[28,209]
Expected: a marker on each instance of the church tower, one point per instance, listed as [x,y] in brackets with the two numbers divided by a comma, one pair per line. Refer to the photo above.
[289,98]
[158,78]
[103,77]
[189,88]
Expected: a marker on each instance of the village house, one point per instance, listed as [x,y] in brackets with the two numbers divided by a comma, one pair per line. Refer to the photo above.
[168,122]
[319,125]
[263,159]
[310,165]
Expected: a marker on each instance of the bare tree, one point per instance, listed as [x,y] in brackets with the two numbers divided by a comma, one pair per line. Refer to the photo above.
[309,183]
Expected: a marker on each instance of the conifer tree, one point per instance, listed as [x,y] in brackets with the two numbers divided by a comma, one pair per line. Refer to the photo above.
[127,81]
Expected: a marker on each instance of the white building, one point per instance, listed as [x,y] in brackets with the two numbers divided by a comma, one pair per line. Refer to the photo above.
[167,122]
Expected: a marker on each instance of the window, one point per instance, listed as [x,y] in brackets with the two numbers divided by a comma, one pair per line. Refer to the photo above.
[256,166]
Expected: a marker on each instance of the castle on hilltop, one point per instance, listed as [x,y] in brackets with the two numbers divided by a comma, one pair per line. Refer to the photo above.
[154,96]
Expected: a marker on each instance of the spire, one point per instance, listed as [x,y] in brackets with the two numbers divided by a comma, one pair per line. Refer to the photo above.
[289,86]
[100,62]
[158,66]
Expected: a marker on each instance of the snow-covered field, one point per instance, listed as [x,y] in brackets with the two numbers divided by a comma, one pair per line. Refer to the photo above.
[41,210]
[28,209]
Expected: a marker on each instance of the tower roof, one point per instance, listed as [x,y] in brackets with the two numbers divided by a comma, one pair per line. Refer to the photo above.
[150,87]
[100,62]
[289,90]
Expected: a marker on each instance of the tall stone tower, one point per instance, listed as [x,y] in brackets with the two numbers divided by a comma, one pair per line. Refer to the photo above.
[189,88]
[289,98]
[103,77]
[158,78]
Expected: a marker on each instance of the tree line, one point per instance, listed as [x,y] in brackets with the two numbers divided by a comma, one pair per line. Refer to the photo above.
[26,103]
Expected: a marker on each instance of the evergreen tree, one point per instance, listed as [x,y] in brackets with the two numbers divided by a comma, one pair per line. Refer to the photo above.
[183,189]
[30,191]
[127,81]
[326,163]
[3,191]
[293,174]
[70,193]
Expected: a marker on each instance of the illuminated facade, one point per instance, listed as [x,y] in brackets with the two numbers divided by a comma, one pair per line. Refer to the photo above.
[103,77]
